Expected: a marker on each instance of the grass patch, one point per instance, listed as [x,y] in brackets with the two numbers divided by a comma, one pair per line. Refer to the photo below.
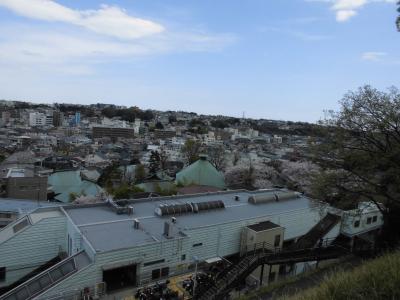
[374,280]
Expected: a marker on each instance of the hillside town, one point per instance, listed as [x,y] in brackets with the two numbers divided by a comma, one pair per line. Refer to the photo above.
[85,154]
[199,150]
[119,202]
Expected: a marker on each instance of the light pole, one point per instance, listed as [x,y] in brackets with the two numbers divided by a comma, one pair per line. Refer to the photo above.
[196,260]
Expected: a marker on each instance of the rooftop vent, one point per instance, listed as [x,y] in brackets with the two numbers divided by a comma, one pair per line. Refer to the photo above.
[168,230]
[201,206]
[271,197]
[203,156]
[173,209]
[130,210]
[185,208]
[136,224]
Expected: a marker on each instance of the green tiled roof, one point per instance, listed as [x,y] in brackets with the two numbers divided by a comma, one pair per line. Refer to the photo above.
[70,182]
[201,172]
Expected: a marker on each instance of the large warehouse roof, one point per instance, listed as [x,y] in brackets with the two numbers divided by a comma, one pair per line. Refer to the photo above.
[106,230]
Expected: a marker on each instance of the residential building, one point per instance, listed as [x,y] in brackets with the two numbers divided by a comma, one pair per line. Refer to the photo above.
[113,132]
[40,119]
[23,184]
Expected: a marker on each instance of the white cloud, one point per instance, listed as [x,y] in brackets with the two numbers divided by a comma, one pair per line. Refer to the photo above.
[346,9]
[111,35]
[70,52]
[107,20]
[373,56]
[344,15]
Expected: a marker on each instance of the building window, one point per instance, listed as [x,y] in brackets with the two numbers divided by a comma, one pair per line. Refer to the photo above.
[20,225]
[165,272]
[2,274]
[5,215]
[155,274]
[357,223]
[198,244]
[183,257]
[374,219]
[369,220]
[277,242]
[154,262]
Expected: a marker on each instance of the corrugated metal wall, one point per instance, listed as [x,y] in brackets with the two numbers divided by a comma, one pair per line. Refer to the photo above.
[32,247]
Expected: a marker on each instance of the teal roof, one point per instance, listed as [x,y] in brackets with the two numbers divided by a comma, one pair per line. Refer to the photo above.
[201,172]
[70,182]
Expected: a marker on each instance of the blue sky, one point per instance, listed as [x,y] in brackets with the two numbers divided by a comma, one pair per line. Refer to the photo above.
[286,59]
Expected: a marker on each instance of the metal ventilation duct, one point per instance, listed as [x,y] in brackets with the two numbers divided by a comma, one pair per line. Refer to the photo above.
[178,209]
[201,206]
[271,197]
[173,209]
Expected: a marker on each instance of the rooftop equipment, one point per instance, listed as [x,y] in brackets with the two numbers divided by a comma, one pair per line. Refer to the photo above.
[184,208]
[136,224]
[271,197]
[130,210]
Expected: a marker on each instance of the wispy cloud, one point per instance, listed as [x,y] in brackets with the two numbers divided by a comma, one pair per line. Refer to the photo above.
[346,9]
[302,35]
[107,20]
[111,34]
[373,56]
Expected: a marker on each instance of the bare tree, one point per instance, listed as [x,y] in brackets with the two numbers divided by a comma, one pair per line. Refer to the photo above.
[191,151]
[216,156]
[163,159]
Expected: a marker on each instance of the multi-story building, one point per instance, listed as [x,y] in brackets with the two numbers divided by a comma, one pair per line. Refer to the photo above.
[164,134]
[40,119]
[118,246]
[58,118]
[113,132]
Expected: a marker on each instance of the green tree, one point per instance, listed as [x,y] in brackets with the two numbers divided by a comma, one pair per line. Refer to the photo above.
[159,126]
[154,162]
[360,155]
[140,173]
[398,18]
[72,196]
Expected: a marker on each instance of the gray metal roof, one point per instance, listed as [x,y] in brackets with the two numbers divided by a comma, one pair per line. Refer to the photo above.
[106,230]
[22,206]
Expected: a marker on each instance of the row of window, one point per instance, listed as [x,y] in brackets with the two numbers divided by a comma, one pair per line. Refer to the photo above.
[28,187]
[370,220]
[5,215]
